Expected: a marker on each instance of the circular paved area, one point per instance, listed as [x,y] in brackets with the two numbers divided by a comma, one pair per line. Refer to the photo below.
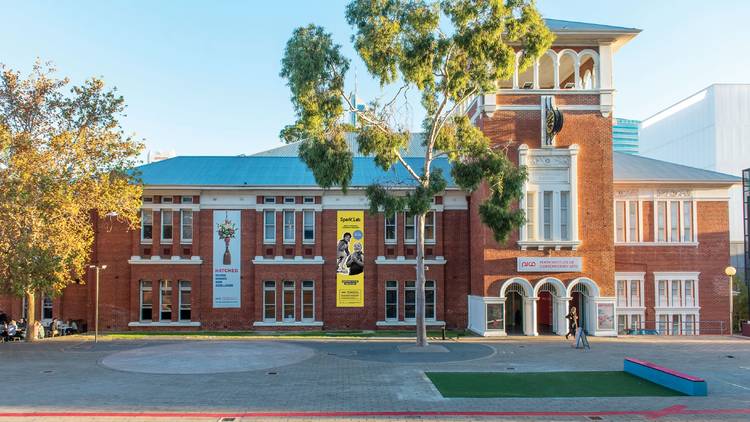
[208,357]
[406,352]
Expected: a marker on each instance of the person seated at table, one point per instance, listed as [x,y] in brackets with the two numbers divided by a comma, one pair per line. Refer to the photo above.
[10,331]
[21,324]
[53,328]
[73,327]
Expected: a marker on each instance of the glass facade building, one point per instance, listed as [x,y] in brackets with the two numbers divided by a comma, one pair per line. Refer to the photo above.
[625,135]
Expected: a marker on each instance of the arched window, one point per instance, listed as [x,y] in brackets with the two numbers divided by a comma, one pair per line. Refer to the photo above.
[547,71]
[588,65]
[507,83]
[567,70]
[526,78]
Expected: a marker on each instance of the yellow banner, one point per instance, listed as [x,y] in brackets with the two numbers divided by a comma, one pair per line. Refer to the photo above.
[350,259]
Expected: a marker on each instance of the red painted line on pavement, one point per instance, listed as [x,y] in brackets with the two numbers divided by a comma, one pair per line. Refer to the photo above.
[651,414]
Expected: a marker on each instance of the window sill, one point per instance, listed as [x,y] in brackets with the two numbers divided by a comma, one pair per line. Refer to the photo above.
[631,308]
[414,242]
[688,244]
[544,244]
[186,242]
[308,242]
[137,260]
[147,242]
[678,309]
[164,324]
[430,323]
[288,324]
[381,260]
[279,260]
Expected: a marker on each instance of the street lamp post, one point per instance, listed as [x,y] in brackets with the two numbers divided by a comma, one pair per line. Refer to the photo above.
[96,302]
[731,271]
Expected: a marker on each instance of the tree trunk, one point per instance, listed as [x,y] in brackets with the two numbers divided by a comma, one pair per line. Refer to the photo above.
[421,326]
[31,316]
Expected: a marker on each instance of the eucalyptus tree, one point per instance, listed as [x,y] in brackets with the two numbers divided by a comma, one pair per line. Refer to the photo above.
[449,51]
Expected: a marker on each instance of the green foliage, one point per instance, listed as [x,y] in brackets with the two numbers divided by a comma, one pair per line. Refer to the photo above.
[740,308]
[449,50]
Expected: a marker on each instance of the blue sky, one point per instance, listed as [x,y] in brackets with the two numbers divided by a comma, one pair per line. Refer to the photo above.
[202,77]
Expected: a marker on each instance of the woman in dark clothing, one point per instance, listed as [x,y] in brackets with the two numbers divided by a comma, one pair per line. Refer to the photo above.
[573,323]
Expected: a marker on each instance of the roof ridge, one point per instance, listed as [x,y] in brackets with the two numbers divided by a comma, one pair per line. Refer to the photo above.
[641,157]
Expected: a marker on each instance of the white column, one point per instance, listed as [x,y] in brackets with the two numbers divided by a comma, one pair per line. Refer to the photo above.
[523,152]
[605,76]
[536,74]
[529,316]
[561,309]
[574,202]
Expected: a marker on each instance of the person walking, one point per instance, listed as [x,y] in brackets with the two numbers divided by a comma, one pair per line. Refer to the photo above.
[572,323]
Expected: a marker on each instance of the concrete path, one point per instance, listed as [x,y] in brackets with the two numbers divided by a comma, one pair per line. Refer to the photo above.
[373,379]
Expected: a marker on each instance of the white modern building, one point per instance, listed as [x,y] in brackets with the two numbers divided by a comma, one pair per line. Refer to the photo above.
[709,130]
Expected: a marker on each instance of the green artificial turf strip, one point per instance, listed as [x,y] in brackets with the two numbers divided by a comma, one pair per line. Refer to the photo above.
[545,384]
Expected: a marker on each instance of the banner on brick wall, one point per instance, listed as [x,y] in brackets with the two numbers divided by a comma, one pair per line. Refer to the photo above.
[226,262]
[350,259]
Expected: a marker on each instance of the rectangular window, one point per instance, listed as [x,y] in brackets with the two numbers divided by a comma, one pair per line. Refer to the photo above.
[663,324]
[429,300]
[167,199]
[564,206]
[269,226]
[148,199]
[663,298]
[676,331]
[619,221]
[635,322]
[676,299]
[269,301]
[147,303]
[390,228]
[635,293]
[147,225]
[661,221]
[289,200]
[308,301]
[495,316]
[391,300]
[674,221]
[687,222]
[269,199]
[308,200]
[186,200]
[47,307]
[429,227]
[531,215]
[689,321]
[689,293]
[185,300]
[410,301]
[633,221]
[622,324]
[165,300]
[166,225]
[289,226]
[289,301]
[410,231]
[547,215]
[186,222]
[308,226]
[622,296]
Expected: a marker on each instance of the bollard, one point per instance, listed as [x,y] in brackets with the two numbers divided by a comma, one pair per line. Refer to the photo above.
[443,332]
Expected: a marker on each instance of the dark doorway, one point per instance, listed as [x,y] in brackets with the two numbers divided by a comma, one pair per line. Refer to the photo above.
[579,301]
[514,313]
[544,313]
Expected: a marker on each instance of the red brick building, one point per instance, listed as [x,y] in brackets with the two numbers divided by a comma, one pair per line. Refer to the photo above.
[632,243]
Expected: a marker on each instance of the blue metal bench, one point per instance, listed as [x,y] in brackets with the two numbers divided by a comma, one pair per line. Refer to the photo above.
[686,384]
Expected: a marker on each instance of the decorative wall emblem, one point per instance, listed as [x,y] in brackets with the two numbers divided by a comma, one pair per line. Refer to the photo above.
[673,193]
[552,121]
[548,161]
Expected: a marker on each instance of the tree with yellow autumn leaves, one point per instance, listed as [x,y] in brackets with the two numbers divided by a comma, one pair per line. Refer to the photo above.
[64,162]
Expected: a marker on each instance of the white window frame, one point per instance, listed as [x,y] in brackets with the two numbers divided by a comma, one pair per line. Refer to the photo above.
[266,305]
[183,238]
[414,224]
[162,224]
[305,213]
[186,200]
[167,200]
[308,200]
[47,303]
[394,240]
[433,289]
[393,288]
[142,289]
[532,227]
[169,288]
[681,225]
[307,288]
[181,288]
[410,286]
[269,199]
[290,200]
[284,304]
[430,240]
[266,239]
[289,240]
[671,310]
[145,212]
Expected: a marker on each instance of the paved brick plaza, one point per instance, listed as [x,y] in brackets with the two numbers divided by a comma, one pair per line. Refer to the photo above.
[355,376]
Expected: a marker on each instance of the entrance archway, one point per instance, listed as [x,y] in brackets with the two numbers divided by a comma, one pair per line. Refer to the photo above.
[550,306]
[583,292]
[517,293]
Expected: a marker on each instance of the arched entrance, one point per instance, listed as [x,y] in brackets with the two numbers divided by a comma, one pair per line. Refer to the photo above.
[582,293]
[517,294]
[550,307]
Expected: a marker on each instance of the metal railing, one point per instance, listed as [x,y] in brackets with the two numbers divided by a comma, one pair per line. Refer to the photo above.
[681,328]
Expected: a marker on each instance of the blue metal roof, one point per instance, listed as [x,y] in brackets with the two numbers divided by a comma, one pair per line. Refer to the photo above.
[557,25]
[267,171]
